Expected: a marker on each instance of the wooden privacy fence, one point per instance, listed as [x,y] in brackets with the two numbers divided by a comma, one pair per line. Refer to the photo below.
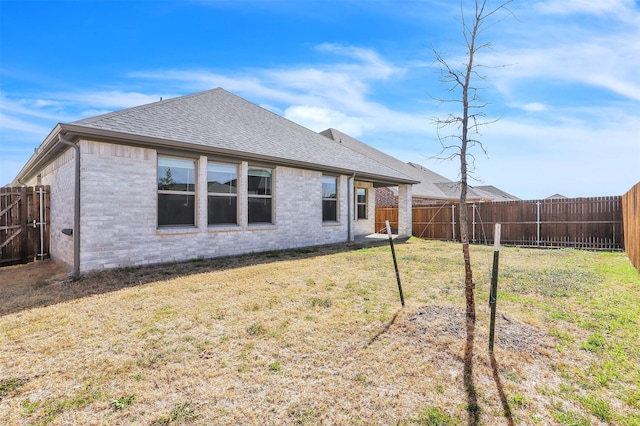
[631,215]
[591,223]
[24,224]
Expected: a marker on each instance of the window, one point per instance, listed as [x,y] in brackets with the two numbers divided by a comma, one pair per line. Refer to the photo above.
[176,191]
[329,199]
[222,189]
[260,195]
[361,203]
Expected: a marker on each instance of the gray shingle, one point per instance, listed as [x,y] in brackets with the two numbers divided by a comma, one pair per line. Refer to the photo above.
[217,119]
[431,185]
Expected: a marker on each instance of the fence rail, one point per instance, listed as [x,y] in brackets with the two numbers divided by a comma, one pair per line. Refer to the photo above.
[24,224]
[591,223]
[631,215]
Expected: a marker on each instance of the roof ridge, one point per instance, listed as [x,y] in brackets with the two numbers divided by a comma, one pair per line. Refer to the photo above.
[142,107]
[336,132]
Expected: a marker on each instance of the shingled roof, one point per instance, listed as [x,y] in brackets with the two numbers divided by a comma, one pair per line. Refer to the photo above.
[431,185]
[494,194]
[221,122]
[217,122]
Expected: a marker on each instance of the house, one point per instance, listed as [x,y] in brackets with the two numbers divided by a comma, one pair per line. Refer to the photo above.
[556,197]
[431,188]
[201,176]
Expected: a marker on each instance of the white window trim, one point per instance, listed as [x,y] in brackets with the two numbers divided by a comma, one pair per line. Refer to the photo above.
[366,203]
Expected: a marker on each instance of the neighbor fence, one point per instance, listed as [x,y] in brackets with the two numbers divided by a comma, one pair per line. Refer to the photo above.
[589,223]
[631,215]
[24,224]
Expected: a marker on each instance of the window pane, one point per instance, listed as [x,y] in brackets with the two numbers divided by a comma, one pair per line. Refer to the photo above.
[259,210]
[362,211]
[222,178]
[176,175]
[259,182]
[222,210]
[329,210]
[329,187]
[361,203]
[176,209]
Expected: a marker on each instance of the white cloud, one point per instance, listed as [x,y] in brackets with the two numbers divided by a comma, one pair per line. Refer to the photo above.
[113,99]
[371,65]
[601,52]
[8,123]
[40,103]
[579,159]
[593,7]
[35,108]
[319,119]
[329,94]
[533,107]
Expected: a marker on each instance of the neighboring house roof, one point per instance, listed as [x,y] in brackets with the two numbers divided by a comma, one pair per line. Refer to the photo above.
[427,180]
[438,187]
[493,193]
[431,185]
[556,197]
[221,123]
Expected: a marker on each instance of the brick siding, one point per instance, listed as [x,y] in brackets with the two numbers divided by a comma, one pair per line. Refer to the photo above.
[119,213]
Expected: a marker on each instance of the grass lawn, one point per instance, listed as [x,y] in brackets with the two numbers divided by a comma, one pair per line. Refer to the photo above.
[318,336]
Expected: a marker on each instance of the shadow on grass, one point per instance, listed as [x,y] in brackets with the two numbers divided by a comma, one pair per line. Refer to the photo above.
[42,293]
[503,397]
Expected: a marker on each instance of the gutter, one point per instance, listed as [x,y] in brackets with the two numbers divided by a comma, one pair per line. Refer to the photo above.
[76,210]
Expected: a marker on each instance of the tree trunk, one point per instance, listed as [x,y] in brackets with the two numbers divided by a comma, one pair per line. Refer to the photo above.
[464,219]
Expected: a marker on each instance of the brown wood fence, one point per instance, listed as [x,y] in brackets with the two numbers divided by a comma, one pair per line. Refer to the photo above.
[590,223]
[24,224]
[631,215]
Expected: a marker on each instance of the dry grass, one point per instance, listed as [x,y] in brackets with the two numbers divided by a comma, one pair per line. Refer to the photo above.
[318,337]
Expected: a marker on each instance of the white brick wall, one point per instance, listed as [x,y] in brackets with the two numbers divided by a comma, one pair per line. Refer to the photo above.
[119,213]
[60,175]
[366,226]
[405,211]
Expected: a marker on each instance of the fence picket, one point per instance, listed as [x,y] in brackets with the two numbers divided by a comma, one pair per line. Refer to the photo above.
[21,240]
[591,223]
[631,225]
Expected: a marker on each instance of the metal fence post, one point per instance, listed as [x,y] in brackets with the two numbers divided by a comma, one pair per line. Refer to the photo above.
[395,262]
[493,293]
[538,224]
[473,222]
[453,221]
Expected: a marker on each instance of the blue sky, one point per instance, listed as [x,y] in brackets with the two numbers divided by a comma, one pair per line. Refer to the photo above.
[567,101]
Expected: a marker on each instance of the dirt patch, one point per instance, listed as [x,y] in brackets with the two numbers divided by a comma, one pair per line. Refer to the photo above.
[29,285]
[434,321]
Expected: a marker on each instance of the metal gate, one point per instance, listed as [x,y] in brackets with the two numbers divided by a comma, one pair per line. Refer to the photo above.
[24,224]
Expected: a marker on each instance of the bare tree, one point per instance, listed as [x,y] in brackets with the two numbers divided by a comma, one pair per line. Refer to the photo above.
[465,128]
[466,124]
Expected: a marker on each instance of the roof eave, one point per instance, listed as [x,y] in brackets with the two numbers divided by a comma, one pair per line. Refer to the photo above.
[149,141]
[47,149]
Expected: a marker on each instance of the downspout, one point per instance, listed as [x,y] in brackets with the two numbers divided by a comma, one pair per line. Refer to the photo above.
[349,206]
[76,210]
